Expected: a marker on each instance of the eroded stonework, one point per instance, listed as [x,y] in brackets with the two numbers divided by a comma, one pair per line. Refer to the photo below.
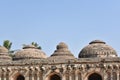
[97,61]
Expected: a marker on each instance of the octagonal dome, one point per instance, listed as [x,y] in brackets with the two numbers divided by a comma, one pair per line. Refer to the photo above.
[62,52]
[30,52]
[97,48]
[4,56]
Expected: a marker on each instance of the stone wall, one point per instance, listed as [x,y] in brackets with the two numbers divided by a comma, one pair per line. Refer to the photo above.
[79,69]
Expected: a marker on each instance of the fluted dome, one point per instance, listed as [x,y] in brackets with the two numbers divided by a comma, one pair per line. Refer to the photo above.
[4,56]
[30,52]
[62,52]
[97,48]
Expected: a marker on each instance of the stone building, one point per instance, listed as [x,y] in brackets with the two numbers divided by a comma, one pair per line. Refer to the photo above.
[96,61]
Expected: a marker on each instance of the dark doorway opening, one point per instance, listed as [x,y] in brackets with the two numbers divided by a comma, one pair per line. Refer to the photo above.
[55,77]
[20,77]
[95,76]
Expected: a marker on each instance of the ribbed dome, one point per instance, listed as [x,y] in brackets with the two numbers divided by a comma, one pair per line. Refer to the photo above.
[97,48]
[62,52]
[4,56]
[30,52]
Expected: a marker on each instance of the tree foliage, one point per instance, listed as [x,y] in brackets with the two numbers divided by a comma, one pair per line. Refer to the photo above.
[36,45]
[7,44]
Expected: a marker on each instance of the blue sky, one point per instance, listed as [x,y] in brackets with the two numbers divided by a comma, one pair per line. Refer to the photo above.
[48,22]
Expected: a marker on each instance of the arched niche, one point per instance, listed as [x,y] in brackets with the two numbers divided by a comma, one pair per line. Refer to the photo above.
[20,77]
[55,77]
[95,76]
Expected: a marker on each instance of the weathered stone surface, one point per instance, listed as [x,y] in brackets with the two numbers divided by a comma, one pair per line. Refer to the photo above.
[62,52]
[97,48]
[4,56]
[32,64]
[30,52]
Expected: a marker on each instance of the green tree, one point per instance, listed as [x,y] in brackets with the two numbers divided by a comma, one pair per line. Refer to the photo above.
[7,44]
[36,45]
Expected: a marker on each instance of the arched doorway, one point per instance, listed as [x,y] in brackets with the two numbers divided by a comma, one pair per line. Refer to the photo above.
[55,77]
[20,77]
[95,76]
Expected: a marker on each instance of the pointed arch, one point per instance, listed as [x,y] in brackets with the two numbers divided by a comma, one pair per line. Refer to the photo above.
[20,77]
[95,76]
[55,77]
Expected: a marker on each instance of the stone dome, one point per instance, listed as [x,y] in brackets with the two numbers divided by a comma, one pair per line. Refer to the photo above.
[62,52]
[30,52]
[4,56]
[3,49]
[97,48]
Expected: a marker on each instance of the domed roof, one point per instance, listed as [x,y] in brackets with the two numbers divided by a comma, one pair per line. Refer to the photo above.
[97,48]
[62,52]
[3,49]
[30,52]
[4,56]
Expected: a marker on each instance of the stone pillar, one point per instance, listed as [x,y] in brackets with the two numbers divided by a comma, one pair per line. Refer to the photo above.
[0,74]
[40,75]
[4,75]
[7,75]
[27,78]
[30,74]
[72,75]
[33,76]
[112,75]
[118,75]
[27,75]
[105,75]
[76,76]
[38,78]
[67,77]
[63,77]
